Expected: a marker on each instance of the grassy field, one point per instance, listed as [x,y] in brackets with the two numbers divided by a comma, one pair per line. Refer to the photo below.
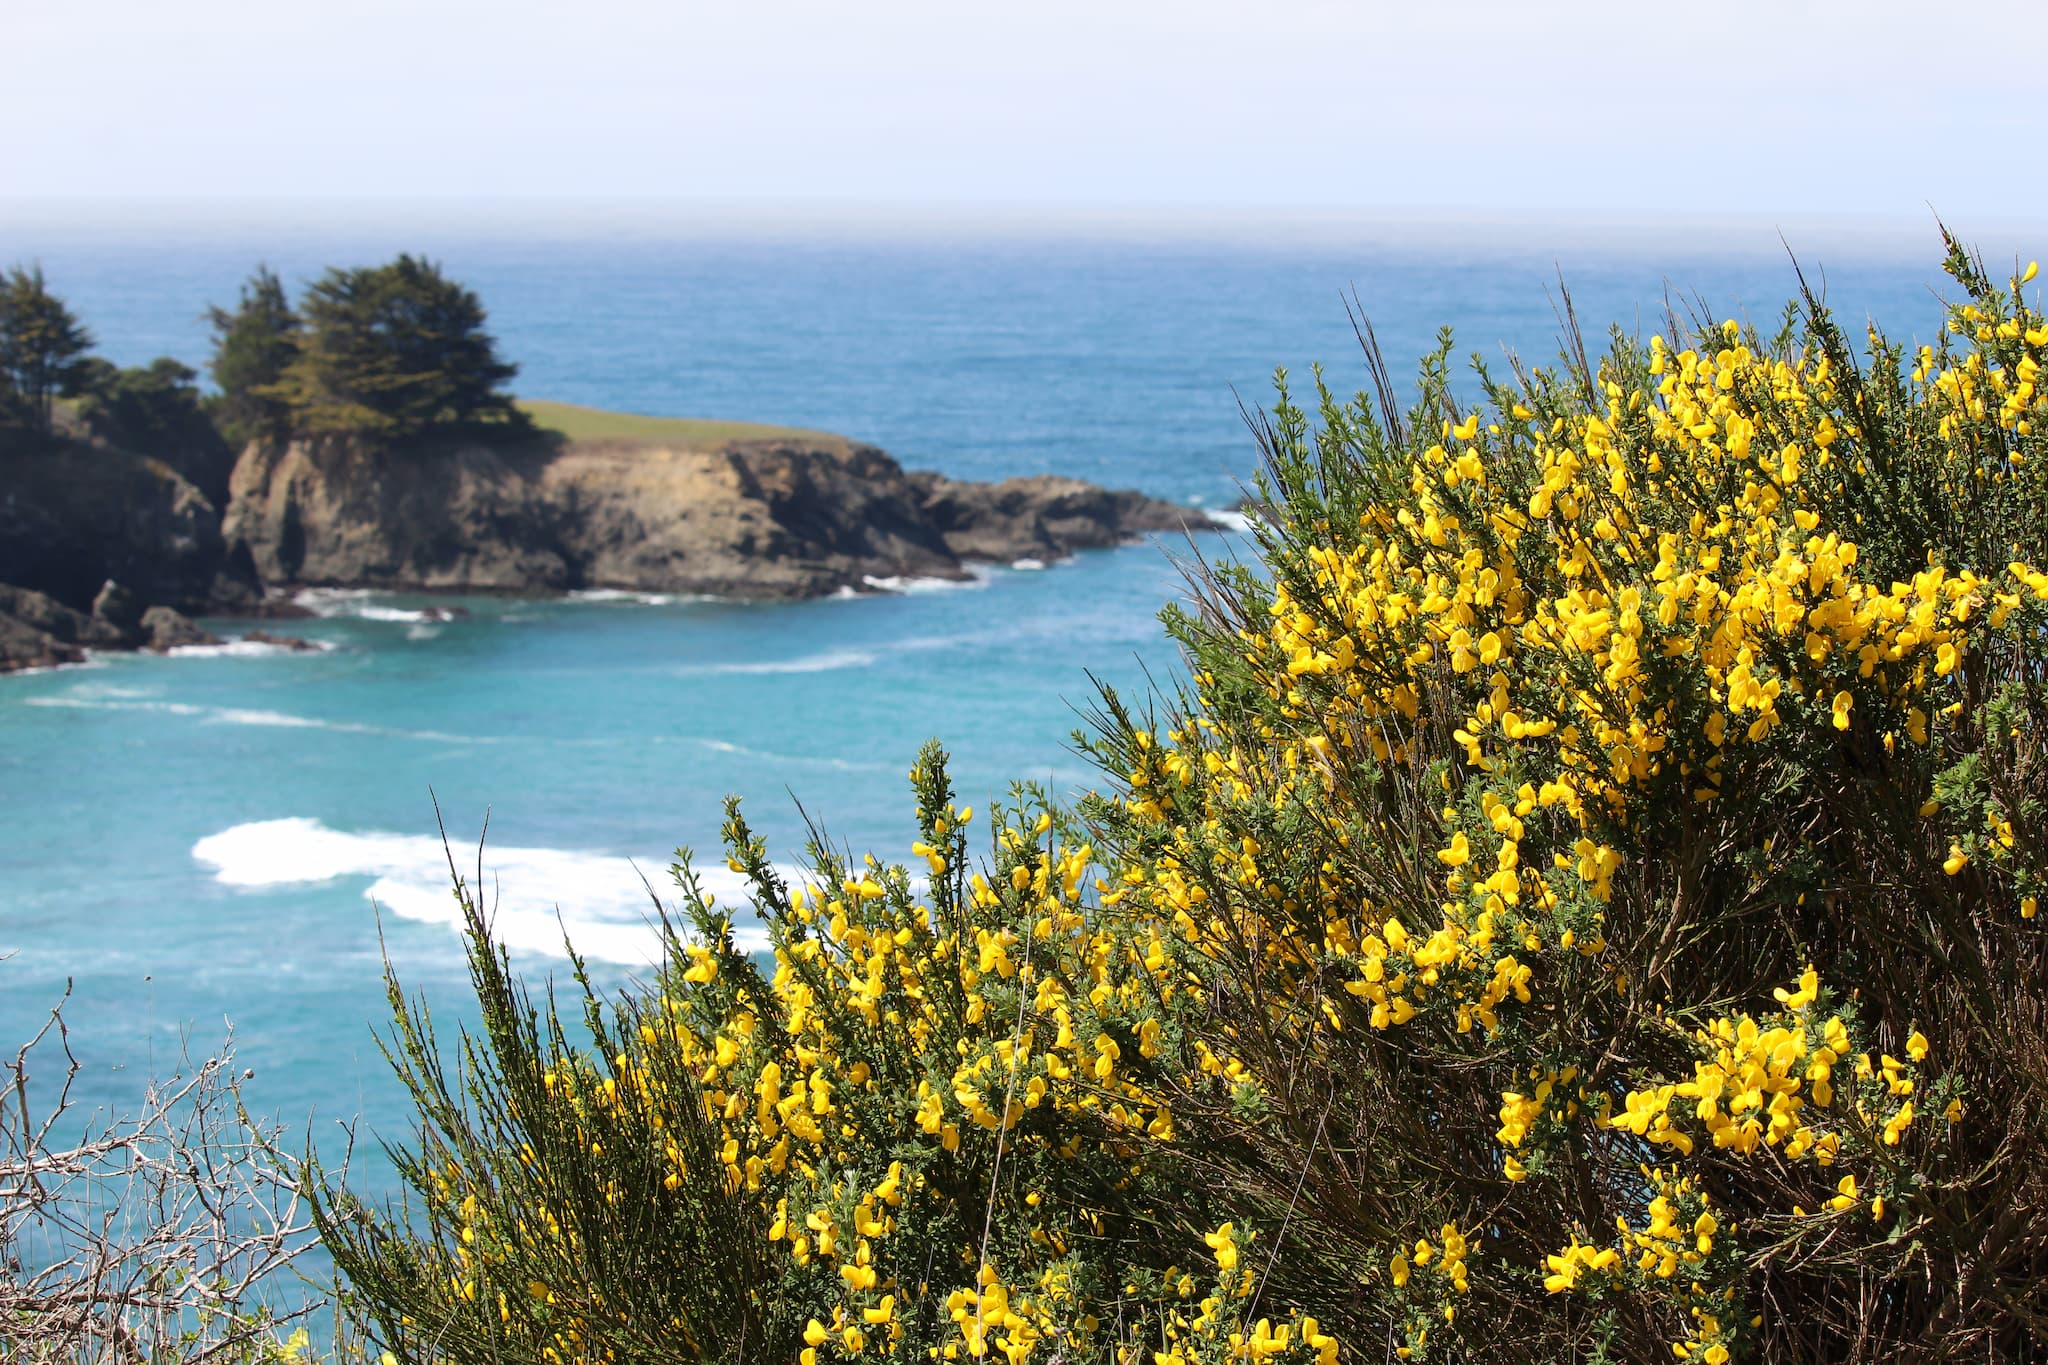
[688,433]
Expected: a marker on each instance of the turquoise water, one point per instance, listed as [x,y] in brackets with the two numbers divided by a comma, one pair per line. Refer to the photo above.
[207,837]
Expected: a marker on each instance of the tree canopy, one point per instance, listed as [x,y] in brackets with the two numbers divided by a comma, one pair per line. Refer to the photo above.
[395,351]
[156,410]
[41,346]
[252,347]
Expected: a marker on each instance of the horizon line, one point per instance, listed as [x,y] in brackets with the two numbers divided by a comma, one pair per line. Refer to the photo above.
[629,215]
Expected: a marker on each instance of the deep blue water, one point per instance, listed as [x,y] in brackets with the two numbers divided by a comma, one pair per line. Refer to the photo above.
[199,839]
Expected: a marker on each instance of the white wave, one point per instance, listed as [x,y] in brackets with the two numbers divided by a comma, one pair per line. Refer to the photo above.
[979,576]
[633,597]
[95,691]
[333,601]
[87,703]
[247,649]
[361,603]
[807,663]
[1028,564]
[600,899]
[87,662]
[767,756]
[235,715]
[1232,520]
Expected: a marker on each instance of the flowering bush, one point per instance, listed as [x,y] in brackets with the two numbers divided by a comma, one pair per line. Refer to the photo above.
[1582,904]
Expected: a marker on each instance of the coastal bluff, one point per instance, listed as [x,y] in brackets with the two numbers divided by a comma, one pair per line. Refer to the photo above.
[609,501]
[103,548]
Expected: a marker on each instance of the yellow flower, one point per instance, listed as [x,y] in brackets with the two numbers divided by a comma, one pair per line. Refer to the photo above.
[1223,1242]
[1809,987]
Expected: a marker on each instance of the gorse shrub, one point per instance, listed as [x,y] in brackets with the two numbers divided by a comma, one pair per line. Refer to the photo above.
[1581,905]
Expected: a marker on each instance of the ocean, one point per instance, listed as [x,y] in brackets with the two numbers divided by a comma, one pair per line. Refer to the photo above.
[237,837]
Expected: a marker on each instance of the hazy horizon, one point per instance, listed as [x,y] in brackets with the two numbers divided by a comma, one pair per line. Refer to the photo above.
[1786,112]
[28,225]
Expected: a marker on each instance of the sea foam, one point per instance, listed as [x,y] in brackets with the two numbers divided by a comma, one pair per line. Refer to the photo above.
[248,649]
[100,700]
[631,597]
[824,662]
[362,604]
[534,895]
[979,576]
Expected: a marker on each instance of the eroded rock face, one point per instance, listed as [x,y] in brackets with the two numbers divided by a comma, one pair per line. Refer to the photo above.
[76,515]
[752,519]
[1044,516]
[24,646]
[334,512]
[38,631]
[44,613]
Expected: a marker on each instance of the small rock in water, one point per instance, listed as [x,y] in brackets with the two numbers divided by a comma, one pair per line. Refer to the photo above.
[290,642]
[165,629]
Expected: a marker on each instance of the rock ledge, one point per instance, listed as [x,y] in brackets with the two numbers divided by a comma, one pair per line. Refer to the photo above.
[752,519]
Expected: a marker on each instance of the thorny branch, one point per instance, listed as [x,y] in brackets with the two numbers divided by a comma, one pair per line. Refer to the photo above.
[156,1237]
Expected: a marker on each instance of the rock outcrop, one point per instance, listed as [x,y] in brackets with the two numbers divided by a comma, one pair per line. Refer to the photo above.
[38,631]
[45,614]
[75,514]
[110,550]
[761,519]
[165,629]
[23,646]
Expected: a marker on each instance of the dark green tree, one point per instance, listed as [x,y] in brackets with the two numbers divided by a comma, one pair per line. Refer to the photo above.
[396,352]
[156,410]
[252,347]
[41,345]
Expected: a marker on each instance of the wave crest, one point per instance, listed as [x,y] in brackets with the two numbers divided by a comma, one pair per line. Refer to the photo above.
[536,895]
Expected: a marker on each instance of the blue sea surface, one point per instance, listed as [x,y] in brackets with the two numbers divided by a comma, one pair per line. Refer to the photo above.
[240,836]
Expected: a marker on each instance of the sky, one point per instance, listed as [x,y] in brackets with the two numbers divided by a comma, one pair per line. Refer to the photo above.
[1789,111]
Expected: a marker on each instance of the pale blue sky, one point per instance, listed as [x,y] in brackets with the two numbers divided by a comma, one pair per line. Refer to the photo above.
[1793,110]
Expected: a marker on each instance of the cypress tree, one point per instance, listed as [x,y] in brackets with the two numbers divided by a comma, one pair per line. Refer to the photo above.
[42,345]
[395,352]
[252,347]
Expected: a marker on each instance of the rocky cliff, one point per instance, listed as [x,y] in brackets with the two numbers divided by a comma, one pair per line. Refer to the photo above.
[38,631]
[102,549]
[75,514]
[784,517]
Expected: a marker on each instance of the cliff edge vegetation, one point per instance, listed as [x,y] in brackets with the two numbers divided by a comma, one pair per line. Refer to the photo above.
[599,426]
